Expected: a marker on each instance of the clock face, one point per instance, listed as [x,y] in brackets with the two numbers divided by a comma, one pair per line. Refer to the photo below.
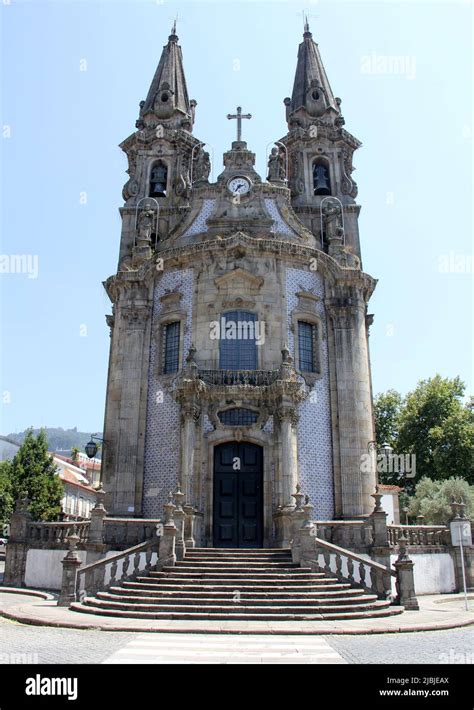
[239,185]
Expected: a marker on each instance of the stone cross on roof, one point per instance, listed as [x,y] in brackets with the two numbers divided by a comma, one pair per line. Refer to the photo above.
[239,116]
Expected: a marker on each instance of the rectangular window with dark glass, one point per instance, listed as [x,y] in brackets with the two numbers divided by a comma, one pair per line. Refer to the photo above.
[238,352]
[171,348]
[307,346]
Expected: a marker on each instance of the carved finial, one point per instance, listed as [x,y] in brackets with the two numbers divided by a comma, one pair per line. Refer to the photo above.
[191,353]
[286,355]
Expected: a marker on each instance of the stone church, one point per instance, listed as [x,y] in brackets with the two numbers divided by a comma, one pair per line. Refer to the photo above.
[239,364]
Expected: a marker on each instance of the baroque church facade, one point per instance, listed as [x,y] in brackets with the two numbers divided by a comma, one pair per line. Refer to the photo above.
[239,365]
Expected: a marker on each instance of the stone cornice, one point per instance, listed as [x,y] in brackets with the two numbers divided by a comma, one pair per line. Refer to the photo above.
[187,255]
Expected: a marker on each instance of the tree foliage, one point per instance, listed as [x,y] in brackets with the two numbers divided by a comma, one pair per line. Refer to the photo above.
[432,499]
[6,492]
[33,474]
[433,424]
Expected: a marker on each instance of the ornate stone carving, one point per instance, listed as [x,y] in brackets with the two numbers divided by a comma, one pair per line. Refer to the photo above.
[332,219]
[284,413]
[201,166]
[135,317]
[276,166]
[130,189]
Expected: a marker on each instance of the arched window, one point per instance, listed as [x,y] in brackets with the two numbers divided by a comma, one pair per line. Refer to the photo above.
[307,346]
[238,341]
[171,347]
[321,181]
[158,180]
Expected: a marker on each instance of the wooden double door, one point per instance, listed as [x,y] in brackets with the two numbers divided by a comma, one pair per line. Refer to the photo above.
[238,495]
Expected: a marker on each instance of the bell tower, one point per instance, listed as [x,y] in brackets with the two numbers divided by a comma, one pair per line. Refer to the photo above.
[164,159]
[319,150]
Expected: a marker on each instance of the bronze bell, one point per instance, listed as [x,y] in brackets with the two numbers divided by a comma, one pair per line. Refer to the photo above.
[321,177]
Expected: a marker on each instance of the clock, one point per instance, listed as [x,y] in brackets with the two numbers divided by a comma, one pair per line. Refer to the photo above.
[239,185]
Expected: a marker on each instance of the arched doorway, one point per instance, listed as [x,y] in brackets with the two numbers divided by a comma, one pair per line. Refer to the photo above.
[238,495]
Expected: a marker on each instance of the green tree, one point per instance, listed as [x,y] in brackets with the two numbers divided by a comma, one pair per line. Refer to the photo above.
[387,408]
[436,427]
[432,499]
[6,492]
[34,474]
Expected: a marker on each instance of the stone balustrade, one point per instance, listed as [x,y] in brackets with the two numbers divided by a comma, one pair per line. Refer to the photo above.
[53,535]
[353,568]
[356,534]
[419,535]
[117,568]
[253,378]
[121,533]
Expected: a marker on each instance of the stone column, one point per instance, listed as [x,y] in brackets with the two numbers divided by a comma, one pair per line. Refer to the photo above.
[17,546]
[354,402]
[189,416]
[288,418]
[463,562]
[125,417]
[71,563]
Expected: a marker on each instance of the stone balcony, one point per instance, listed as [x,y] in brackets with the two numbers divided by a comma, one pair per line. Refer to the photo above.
[232,378]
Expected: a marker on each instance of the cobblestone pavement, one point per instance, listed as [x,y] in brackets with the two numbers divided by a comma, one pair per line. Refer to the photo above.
[43,644]
[450,646]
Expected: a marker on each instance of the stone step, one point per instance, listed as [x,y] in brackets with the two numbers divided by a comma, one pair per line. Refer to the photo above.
[245,556]
[229,608]
[232,574]
[230,585]
[219,593]
[244,602]
[236,551]
[218,565]
[381,609]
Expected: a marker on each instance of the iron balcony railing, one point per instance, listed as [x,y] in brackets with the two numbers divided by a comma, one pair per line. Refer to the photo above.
[254,378]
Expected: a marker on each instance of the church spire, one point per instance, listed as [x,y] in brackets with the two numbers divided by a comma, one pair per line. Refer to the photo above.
[312,94]
[167,97]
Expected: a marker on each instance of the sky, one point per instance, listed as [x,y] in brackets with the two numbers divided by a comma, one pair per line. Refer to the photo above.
[72,77]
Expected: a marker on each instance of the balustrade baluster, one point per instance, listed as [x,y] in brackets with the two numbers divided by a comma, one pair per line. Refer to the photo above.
[113,572]
[350,570]
[338,565]
[362,573]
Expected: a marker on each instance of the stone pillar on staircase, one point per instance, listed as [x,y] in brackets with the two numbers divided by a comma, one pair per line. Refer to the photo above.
[167,552]
[71,564]
[17,545]
[179,517]
[189,526]
[380,551]
[307,536]
[297,521]
[405,578]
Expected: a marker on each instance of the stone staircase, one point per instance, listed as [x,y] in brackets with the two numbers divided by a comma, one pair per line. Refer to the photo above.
[236,584]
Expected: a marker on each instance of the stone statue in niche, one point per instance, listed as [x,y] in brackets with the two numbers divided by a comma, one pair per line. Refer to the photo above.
[146,222]
[202,166]
[332,219]
[276,166]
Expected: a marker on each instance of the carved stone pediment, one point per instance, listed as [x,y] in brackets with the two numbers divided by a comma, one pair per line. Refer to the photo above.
[239,280]
[171,301]
[307,301]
